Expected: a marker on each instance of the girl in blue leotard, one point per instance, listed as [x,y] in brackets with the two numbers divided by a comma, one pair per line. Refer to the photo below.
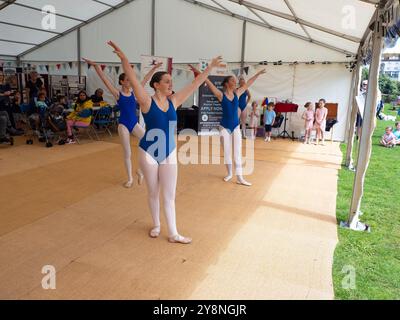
[157,152]
[243,102]
[128,122]
[229,126]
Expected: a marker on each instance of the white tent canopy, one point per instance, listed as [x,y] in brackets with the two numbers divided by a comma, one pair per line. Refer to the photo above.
[278,29]
[245,32]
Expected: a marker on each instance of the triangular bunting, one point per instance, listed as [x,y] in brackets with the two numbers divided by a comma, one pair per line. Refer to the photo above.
[117,69]
[47,68]
[58,66]
[246,70]
[70,65]
[103,66]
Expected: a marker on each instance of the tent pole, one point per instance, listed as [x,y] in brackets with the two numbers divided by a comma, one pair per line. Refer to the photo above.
[353,115]
[78,47]
[243,47]
[369,123]
[153,26]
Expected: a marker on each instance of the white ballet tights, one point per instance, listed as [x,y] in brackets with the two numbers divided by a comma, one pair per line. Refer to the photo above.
[243,118]
[161,177]
[237,151]
[125,138]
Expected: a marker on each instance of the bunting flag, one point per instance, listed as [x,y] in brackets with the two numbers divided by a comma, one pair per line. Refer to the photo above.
[236,72]
[58,66]
[246,70]
[64,65]
[109,69]
[47,68]
[103,66]
[70,65]
[117,69]
[88,66]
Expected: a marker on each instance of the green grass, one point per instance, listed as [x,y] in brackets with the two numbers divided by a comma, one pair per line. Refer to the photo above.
[376,255]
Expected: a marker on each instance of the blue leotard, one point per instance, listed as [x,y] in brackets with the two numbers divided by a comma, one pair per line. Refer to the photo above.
[230,116]
[243,101]
[127,107]
[159,139]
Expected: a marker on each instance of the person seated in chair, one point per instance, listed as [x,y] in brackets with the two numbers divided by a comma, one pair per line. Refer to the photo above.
[97,98]
[81,116]
[35,118]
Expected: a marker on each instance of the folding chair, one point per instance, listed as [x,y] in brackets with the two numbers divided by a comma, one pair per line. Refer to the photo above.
[76,133]
[103,120]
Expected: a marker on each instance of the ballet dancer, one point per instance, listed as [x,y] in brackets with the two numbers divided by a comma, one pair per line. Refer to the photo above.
[243,102]
[320,120]
[254,119]
[229,126]
[157,156]
[128,121]
[308,117]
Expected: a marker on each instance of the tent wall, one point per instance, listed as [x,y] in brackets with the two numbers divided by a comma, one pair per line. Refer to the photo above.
[130,27]
[304,83]
[187,33]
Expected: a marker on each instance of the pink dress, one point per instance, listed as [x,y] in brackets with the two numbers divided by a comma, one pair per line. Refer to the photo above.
[254,119]
[308,116]
[320,118]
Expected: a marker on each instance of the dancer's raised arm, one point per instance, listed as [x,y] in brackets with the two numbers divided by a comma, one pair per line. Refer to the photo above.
[114,91]
[249,83]
[148,76]
[216,92]
[181,96]
[141,95]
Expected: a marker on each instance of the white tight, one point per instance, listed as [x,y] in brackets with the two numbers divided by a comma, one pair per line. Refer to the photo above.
[125,138]
[243,118]
[161,176]
[237,150]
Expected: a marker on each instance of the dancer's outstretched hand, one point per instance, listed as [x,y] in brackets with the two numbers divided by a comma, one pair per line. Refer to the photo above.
[117,50]
[90,62]
[157,65]
[194,70]
[217,62]
[261,72]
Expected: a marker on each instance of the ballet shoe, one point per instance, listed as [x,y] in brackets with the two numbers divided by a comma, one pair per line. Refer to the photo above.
[155,232]
[228,178]
[128,184]
[243,182]
[179,239]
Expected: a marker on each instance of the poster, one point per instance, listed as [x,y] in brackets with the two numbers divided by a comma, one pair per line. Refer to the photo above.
[210,109]
[222,71]
[147,63]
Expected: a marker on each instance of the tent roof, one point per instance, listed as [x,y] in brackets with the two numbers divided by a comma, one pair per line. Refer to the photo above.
[339,25]
[21,21]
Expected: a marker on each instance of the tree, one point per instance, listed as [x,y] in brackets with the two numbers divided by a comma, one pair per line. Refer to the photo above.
[365,74]
[389,88]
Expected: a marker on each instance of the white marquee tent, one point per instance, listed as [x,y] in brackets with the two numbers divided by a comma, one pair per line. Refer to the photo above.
[314,39]
[250,32]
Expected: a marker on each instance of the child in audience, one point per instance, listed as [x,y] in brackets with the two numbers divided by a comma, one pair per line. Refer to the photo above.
[40,109]
[397,133]
[388,139]
[309,117]
[254,116]
[269,119]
